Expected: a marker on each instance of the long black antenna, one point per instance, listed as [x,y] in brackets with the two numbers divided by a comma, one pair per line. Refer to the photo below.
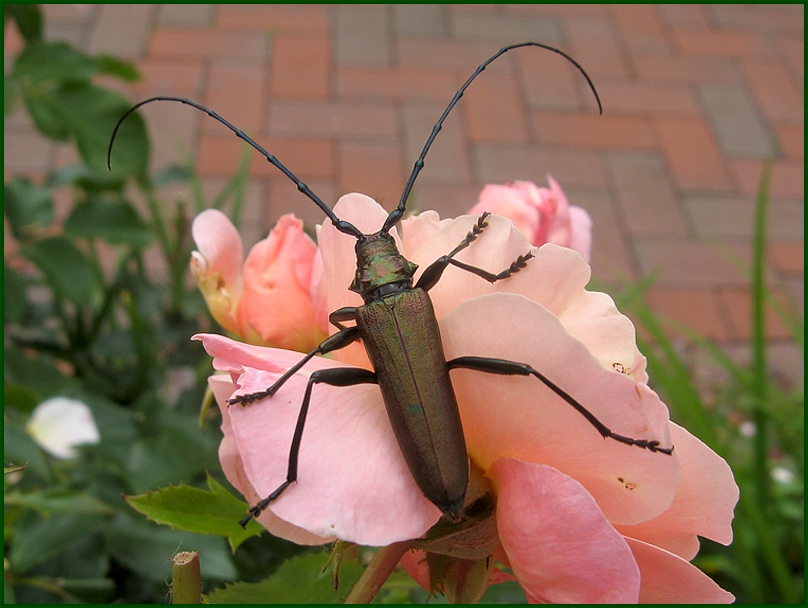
[397,213]
[341,225]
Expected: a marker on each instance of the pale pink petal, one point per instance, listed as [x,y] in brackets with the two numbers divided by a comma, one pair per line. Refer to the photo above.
[703,505]
[233,469]
[580,238]
[609,335]
[216,266]
[668,579]
[560,546]
[509,201]
[416,231]
[520,417]
[353,482]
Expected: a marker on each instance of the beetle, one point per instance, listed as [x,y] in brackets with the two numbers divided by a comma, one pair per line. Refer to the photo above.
[400,333]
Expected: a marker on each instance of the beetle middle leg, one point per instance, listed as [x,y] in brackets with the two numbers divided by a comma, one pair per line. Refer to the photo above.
[512,368]
[434,271]
[339,376]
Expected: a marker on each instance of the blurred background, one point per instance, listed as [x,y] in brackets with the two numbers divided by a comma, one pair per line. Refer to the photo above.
[697,99]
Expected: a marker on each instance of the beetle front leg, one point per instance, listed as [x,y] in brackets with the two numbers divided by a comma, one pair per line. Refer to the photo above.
[341,339]
[434,271]
[347,313]
[512,368]
[340,376]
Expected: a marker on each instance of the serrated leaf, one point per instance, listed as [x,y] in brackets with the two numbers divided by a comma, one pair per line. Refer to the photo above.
[28,207]
[195,510]
[64,266]
[114,220]
[299,580]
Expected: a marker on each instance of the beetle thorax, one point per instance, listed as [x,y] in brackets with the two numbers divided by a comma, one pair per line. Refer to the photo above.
[379,264]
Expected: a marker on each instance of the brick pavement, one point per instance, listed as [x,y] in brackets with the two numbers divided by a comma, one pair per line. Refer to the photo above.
[695,98]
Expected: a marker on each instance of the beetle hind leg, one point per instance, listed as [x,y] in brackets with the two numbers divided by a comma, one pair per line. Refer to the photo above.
[512,368]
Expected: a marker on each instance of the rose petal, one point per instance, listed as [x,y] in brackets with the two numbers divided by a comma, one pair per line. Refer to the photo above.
[630,484]
[668,579]
[416,231]
[703,505]
[234,471]
[560,546]
[353,482]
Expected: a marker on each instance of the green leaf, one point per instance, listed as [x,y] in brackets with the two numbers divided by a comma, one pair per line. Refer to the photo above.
[86,178]
[113,220]
[196,510]
[28,207]
[37,539]
[43,61]
[125,70]
[299,580]
[146,548]
[28,19]
[172,174]
[20,448]
[44,111]
[21,398]
[91,114]
[65,268]
[59,501]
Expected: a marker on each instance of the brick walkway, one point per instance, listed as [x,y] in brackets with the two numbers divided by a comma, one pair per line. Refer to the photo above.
[695,98]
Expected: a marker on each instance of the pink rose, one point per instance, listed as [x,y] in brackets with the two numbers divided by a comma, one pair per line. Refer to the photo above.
[269,300]
[543,215]
[578,518]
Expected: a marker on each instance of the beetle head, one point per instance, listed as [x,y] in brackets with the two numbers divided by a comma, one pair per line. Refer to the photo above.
[379,265]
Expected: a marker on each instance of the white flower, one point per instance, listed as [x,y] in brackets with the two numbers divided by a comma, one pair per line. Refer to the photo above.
[59,424]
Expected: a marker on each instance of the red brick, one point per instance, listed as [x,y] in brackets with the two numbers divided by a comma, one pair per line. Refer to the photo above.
[557,10]
[592,130]
[736,305]
[314,118]
[491,9]
[596,47]
[396,84]
[455,54]
[788,178]
[788,257]
[374,169]
[300,66]
[722,43]
[641,98]
[163,77]
[236,93]
[219,155]
[550,82]
[494,110]
[792,142]
[684,70]
[776,94]
[184,43]
[794,51]
[311,18]
[770,17]
[698,309]
[690,15]
[692,153]
[641,27]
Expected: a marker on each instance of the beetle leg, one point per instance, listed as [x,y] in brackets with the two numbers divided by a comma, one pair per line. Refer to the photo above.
[512,368]
[339,376]
[347,313]
[434,271]
[341,339]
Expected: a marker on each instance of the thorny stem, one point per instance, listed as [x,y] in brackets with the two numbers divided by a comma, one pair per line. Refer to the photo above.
[377,572]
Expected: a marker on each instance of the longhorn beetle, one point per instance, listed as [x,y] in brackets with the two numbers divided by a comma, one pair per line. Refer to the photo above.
[397,320]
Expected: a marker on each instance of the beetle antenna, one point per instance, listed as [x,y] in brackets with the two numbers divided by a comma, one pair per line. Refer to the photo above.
[341,225]
[397,213]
